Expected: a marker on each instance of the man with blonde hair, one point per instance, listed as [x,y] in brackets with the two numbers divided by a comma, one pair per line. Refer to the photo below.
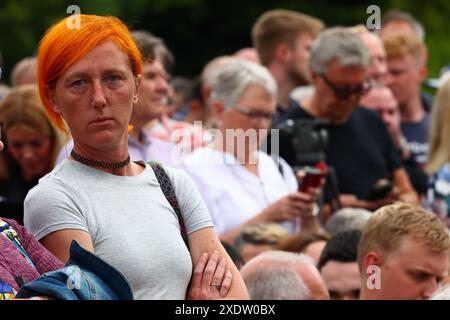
[283,40]
[406,56]
[403,253]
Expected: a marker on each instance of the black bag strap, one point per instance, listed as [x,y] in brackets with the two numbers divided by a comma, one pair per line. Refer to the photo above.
[169,193]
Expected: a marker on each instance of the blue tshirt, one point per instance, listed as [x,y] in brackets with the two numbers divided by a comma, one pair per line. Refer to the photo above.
[416,135]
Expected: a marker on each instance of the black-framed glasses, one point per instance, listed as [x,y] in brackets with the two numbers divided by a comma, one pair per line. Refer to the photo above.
[255,115]
[345,92]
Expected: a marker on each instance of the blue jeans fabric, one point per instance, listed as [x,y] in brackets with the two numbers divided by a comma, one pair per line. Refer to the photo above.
[84,277]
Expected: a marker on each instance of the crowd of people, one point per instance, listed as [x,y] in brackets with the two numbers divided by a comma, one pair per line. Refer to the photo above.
[334,166]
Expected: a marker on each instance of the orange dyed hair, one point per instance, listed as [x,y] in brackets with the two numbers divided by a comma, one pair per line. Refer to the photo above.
[62,47]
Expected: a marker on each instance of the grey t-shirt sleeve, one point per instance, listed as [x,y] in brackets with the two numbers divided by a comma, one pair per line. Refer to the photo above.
[193,208]
[52,206]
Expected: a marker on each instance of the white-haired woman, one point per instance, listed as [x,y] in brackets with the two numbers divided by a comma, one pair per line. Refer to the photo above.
[240,184]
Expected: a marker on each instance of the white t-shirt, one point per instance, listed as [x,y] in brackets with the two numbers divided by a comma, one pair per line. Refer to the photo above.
[132,225]
[232,193]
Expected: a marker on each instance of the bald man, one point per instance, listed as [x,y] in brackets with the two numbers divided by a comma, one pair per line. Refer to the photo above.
[280,275]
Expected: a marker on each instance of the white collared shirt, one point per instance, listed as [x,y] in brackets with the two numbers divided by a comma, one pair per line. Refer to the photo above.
[232,193]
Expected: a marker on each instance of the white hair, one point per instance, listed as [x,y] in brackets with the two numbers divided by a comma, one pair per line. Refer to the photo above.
[209,72]
[273,275]
[235,76]
[347,219]
[341,44]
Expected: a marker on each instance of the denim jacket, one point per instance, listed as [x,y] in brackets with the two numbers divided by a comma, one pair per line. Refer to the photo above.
[84,277]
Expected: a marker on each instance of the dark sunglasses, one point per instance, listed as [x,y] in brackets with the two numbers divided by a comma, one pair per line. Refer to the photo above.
[347,91]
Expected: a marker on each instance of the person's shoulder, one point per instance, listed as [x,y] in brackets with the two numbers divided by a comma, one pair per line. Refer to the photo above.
[175,175]
[203,156]
[298,112]
[270,164]
[275,165]
[362,112]
[58,173]
[160,142]
[177,124]
[162,149]
[269,160]
[53,183]
[427,101]
[368,117]
[181,182]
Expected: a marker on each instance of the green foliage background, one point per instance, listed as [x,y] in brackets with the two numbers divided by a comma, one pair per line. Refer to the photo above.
[198,30]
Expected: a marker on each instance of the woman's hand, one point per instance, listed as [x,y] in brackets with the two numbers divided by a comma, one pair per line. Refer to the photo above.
[211,279]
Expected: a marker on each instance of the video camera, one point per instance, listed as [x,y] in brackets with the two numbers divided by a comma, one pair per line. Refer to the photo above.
[309,139]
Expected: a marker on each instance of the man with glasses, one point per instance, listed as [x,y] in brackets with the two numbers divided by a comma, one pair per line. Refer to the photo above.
[360,148]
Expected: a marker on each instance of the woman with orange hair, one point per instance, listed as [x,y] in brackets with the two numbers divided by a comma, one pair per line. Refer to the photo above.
[89,79]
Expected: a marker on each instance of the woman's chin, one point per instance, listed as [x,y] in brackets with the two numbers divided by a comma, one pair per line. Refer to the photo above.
[103,138]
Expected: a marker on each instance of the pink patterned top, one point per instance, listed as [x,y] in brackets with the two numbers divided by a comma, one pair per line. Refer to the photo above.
[15,269]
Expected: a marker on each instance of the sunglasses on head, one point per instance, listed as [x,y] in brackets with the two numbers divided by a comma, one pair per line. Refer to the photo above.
[344,92]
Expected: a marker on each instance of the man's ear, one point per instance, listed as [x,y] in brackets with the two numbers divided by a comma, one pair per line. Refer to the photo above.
[372,259]
[423,73]
[217,111]
[282,52]
[51,97]
[195,105]
[206,92]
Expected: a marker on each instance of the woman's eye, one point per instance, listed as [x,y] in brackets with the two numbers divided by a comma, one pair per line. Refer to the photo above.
[114,78]
[36,144]
[150,76]
[16,145]
[77,83]
[420,276]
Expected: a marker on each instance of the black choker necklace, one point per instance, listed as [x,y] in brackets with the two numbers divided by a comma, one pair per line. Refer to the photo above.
[100,164]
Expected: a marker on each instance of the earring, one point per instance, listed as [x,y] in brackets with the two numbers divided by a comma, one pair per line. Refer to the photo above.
[135,99]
